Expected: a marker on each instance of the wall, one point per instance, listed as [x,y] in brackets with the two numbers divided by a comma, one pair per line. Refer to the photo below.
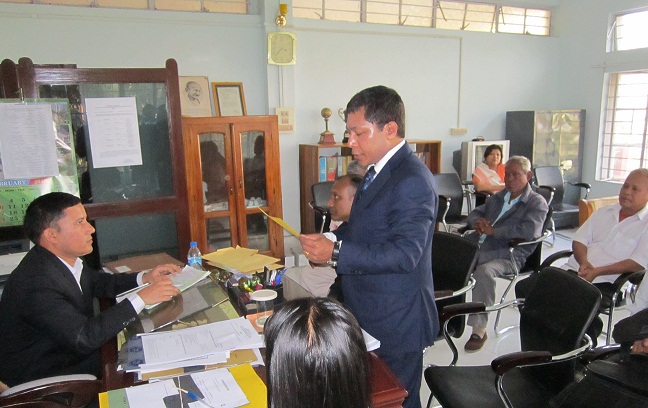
[581,27]
[447,78]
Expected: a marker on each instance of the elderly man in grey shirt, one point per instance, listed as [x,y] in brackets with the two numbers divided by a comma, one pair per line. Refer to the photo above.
[515,212]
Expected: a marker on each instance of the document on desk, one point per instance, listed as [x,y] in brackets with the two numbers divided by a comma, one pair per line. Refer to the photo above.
[183,281]
[192,342]
[214,388]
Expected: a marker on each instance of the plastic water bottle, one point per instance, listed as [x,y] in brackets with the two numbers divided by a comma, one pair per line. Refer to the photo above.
[194,257]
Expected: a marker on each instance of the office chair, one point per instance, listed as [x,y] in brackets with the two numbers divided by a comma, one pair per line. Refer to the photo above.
[553,320]
[321,195]
[454,259]
[532,263]
[451,194]
[612,294]
[565,213]
[64,391]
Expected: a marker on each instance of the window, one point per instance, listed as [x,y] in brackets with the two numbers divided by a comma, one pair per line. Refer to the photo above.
[624,143]
[629,31]
[448,15]
[207,6]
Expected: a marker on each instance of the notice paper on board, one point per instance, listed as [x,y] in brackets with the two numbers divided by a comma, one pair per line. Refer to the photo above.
[283,224]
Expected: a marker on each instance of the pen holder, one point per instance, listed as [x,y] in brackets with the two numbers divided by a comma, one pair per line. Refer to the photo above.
[264,299]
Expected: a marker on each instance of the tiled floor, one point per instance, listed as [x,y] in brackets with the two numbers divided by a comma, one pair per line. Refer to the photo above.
[440,353]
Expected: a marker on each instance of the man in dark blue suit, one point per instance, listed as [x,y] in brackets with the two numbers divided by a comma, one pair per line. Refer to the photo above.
[384,253]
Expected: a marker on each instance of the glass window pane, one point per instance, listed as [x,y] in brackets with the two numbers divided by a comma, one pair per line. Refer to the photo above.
[631,31]
[214,172]
[154,177]
[147,234]
[257,232]
[219,234]
[254,169]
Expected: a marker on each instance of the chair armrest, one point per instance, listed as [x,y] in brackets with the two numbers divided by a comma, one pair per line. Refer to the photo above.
[586,186]
[459,309]
[516,242]
[625,277]
[554,257]
[447,294]
[636,277]
[74,390]
[599,352]
[504,363]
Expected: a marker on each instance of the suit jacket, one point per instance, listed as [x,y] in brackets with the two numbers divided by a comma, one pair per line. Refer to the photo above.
[386,256]
[48,326]
[524,220]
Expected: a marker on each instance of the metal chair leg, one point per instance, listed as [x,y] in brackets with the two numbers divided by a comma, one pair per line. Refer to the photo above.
[499,312]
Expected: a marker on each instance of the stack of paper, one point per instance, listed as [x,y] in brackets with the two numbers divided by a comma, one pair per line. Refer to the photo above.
[221,388]
[201,346]
[241,260]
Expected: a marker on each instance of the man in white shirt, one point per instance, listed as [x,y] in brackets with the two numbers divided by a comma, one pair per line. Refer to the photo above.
[614,239]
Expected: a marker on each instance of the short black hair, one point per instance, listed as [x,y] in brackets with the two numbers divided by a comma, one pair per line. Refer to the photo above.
[45,211]
[381,106]
[492,147]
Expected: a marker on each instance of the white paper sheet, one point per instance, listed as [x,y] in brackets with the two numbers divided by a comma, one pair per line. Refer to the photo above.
[27,141]
[113,132]
[164,347]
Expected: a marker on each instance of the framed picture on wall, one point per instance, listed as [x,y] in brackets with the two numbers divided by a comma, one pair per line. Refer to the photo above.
[229,99]
[194,96]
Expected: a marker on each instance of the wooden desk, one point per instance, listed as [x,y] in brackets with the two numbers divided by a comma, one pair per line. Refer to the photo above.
[386,390]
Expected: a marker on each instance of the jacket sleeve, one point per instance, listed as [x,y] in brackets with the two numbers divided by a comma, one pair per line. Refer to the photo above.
[55,309]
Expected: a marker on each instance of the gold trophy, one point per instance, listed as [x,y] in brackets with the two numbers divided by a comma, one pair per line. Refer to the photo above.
[326,137]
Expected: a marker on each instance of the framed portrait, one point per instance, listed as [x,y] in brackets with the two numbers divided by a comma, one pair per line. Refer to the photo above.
[229,99]
[194,96]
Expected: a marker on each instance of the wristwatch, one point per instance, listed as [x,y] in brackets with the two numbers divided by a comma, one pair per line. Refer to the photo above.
[335,254]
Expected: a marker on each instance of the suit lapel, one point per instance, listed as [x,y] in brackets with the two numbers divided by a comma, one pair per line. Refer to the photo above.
[364,198]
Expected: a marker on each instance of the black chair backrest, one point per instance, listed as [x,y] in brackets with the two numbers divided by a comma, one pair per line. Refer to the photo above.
[551,176]
[321,193]
[555,315]
[454,259]
[449,185]
[534,260]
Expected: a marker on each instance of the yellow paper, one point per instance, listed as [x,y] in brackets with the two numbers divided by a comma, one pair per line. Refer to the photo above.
[253,387]
[283,223]
[243,260]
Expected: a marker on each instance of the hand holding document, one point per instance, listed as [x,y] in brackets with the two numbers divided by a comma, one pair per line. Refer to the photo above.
[183,281]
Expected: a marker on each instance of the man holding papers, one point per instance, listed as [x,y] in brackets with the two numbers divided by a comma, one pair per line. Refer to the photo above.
[47,323]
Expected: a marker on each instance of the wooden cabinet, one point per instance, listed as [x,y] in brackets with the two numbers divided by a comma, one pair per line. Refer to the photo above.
[232,166]
[309,169]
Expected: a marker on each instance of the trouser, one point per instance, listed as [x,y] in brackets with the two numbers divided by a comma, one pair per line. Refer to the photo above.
[484,290]
[408,367]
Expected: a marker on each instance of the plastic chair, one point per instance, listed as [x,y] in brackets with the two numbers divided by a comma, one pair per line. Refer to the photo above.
[75,390]
[612,294]
[454,259]
[553,320]
[321,195]
[565,213]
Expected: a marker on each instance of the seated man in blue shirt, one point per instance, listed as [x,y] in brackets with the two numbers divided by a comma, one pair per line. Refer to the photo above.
[514,212]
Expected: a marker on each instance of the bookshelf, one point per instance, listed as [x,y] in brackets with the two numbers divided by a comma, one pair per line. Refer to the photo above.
[309,169]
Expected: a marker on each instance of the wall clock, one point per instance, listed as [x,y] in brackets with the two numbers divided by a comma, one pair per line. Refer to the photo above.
[281,48]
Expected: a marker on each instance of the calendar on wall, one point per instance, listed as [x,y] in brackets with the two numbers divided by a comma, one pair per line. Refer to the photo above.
[36,154]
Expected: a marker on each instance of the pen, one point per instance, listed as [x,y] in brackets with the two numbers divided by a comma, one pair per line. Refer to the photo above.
[194,397]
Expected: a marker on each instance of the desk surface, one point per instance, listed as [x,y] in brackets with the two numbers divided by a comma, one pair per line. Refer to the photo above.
[386,389]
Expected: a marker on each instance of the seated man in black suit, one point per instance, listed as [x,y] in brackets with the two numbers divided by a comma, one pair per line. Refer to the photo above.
[47,322]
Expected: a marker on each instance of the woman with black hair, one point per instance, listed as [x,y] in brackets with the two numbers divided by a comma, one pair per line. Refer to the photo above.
[316,356]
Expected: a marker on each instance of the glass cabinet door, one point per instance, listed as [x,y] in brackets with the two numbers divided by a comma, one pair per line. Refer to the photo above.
[254,179]
[215,172]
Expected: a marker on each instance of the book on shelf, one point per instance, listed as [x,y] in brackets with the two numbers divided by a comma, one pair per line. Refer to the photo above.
[331,167]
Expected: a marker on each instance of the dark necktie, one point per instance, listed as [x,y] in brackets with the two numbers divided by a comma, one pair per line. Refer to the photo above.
[368,178]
